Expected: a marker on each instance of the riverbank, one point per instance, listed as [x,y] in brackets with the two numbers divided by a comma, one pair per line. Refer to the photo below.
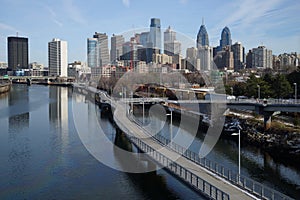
[282,140]
[4,86]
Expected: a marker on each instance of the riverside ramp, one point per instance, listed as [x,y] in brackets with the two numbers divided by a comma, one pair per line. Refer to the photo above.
[133,130]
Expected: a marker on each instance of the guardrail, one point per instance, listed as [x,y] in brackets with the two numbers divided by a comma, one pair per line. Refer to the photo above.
[233,177]
[189,177]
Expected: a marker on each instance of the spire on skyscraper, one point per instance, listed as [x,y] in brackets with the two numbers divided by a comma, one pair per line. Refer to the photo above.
[202,37]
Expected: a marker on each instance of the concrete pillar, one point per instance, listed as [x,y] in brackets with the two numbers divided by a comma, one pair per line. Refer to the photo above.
[267,120]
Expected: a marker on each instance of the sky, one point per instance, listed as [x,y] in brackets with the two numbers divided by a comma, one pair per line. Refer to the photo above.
[272,23]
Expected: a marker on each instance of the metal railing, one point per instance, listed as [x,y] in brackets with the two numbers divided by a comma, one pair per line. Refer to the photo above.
[233,177]
[189,177]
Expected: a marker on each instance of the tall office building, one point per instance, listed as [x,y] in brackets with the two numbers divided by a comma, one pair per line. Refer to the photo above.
[262,57]
[144,38]
[171,45]
[205,54]
[58,58]
[225,38]
[116,49]
[238,56]
[155,34]
[92,52]
[103,58]
[202,37]
[192,60]
[224,59]
[17,53]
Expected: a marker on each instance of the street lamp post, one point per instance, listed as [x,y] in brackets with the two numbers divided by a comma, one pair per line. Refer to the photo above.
[295,84]
[258,87]
[239,134]
[143,112]
[171,127]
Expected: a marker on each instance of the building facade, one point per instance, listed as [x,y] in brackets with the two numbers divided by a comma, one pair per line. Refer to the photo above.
[92,52]
[116,49]
[225,38]
[103,52]
[205,54]
[58,58]
[238,56]
[262,58]
[202,37]
[17,53]
[155,34]
[171,45]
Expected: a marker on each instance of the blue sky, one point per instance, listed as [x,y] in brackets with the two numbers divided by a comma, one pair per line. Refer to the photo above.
[273,23]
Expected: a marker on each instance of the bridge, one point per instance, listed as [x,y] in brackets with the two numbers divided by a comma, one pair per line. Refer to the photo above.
[208,178]
[267,108]
[39,80]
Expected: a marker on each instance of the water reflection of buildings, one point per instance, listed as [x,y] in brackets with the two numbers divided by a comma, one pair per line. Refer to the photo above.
[58,110]
[18,102]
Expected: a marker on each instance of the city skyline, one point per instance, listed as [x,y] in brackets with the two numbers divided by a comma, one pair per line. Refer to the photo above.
[271,23]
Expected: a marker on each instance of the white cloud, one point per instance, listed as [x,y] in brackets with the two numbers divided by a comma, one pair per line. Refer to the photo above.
[7,27]
[53,16]
[126,3]
[74,12]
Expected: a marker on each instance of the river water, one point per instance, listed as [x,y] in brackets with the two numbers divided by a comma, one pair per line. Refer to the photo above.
[42,156]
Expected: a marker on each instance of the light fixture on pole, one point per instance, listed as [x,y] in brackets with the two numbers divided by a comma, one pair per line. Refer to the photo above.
[239,134]
[143,112]
[295,84]
[171,126]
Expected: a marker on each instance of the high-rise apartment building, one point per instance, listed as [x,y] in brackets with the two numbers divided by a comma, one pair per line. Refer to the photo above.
[262,57]
[58,58]
[17,53]
[116,49]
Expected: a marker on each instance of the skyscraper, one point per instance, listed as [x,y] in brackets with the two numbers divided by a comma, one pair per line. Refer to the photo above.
[116,49]
[171,45]
[205,54]
[92,52]
[155,34]
[103,53]
[202,37]
[58,58]
[238,55]
[144,38]
[17,53]
[225,38]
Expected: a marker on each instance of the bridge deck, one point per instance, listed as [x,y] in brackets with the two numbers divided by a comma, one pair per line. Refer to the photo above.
[233,191]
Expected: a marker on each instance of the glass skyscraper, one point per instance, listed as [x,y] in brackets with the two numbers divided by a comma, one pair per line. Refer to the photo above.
[225,38]
[92,49]
[202,37]
[155,34]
